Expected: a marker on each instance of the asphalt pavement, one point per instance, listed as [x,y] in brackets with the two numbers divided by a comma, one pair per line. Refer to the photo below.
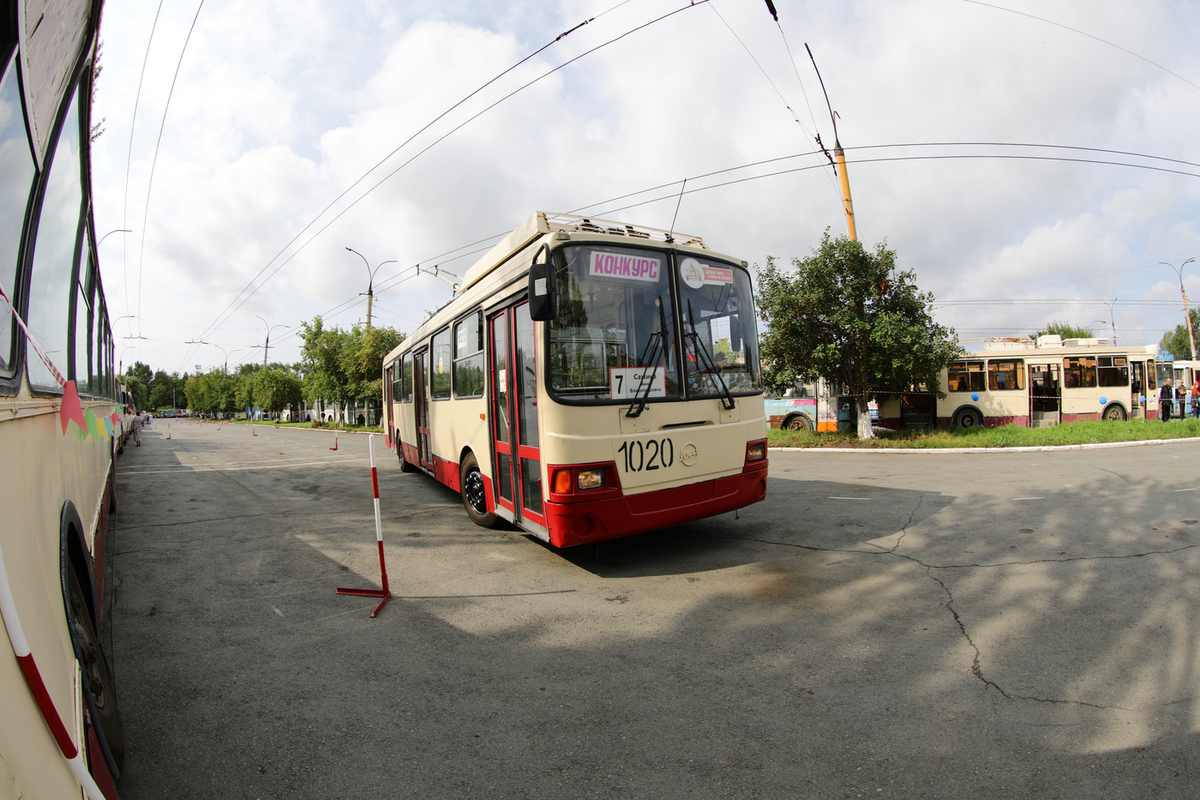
[985,625]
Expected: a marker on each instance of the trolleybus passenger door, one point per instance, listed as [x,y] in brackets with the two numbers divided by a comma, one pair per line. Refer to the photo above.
[518,473]
[421,406]
[498,389]
[1137,408]
[1045,395]
[389,427]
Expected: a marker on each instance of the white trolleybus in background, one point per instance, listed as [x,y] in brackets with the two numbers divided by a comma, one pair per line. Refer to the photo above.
[1036,384]
[60,417]
[591,380]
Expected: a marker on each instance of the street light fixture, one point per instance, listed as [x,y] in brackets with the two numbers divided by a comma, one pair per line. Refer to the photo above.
[267,342]
[370,280]
[1187,314]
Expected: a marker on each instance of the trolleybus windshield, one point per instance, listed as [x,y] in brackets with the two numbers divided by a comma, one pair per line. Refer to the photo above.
[609,341]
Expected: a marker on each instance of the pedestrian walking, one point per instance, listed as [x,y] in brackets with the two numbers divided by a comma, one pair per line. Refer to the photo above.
[1166,399]
[136,430]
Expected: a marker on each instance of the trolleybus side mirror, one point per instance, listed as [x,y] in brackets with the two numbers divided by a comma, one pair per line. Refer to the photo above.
[543,289]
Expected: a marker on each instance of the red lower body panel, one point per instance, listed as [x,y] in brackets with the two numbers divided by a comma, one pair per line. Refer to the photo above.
[583,521]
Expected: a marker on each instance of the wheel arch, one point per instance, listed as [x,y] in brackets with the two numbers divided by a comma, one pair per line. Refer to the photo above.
[74,552]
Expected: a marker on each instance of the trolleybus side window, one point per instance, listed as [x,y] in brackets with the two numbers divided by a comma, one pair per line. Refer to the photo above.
[406,378]
[17,167]
[468,356]
[615,325]
[719,348]
[1079,372]
[1006,374]
[440,359]
[965,376]
[1113,370]
[54,260]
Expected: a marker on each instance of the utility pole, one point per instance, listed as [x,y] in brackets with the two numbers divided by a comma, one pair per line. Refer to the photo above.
[839,156]
[1187,314]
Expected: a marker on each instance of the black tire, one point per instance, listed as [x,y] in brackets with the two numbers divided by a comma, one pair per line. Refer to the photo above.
[99,688]
[473,494]
[798,423]
[404,465]
[968,418]
[1114,413]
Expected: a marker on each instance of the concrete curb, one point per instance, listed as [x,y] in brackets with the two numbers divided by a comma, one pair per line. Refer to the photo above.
[1047,449]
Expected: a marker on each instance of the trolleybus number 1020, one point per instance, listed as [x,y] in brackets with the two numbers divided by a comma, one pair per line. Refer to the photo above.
[649,455]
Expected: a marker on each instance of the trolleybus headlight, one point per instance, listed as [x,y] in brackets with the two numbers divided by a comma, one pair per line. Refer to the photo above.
[756,451]
[590,479]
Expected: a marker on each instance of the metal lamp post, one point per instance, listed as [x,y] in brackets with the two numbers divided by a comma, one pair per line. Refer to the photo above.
[267,341]
[370,280]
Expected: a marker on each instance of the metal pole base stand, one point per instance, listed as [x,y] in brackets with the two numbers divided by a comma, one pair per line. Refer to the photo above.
[386,595]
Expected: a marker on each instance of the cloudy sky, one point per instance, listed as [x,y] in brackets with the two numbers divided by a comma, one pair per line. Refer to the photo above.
[1030,160]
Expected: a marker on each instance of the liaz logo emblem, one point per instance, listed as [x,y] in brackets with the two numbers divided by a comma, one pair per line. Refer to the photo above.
[689,454]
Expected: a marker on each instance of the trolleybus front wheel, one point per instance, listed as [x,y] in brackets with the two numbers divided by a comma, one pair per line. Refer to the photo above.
[473,494]
[404,465]
[1114,413]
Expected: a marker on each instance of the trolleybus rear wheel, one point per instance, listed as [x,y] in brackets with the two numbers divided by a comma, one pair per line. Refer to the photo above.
[798,423]
[473,494]
[404,465]
[1114,413]
[99,688]
[968,418]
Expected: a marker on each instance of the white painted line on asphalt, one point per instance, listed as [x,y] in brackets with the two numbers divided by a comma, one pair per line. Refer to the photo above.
[1028,498]
[850,498]
[1185,490]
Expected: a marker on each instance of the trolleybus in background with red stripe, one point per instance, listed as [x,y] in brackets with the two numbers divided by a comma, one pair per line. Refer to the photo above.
[590,380]
[60,420]
[1036,384]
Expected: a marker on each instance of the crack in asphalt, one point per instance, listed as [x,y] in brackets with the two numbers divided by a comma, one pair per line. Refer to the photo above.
[977,658]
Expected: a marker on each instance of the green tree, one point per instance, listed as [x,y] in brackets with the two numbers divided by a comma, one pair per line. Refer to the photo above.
[160,396]
[1064,329]
[321,359]
[1177,342]
[137,390]
[275,389]
[211,392]
[142,372]
[345,366]
[849,316]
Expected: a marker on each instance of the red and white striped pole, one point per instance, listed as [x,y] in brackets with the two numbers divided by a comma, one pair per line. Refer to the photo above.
[335,435]
[385,592]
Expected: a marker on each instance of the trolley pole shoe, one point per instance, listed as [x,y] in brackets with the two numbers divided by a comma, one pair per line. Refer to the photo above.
[385,592]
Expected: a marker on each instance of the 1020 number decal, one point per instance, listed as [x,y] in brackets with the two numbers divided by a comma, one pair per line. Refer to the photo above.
[648,455]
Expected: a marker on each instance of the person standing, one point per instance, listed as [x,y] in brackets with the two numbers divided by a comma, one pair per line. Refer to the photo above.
[1195,392]
[1166,399]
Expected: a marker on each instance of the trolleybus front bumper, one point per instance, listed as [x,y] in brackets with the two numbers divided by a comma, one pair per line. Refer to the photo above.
[582,519]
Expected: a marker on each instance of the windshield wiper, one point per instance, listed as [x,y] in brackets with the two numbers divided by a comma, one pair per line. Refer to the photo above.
[656,344]
[706,360]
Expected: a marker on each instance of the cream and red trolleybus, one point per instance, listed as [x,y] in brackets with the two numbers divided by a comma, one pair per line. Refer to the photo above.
[61,420]
[1037,384]
[590,380]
